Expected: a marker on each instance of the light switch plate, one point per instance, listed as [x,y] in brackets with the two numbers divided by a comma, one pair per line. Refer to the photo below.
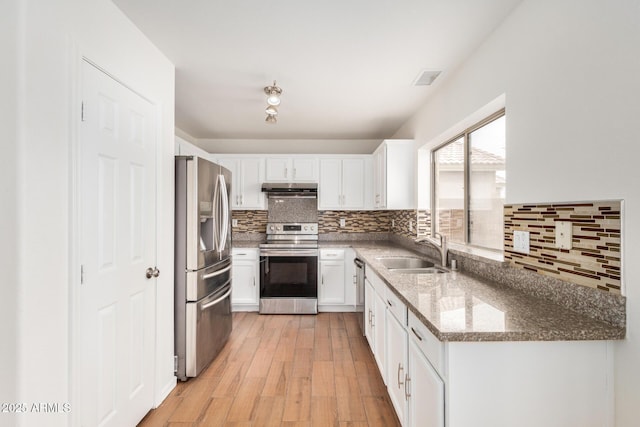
[564,234]
[521,241]
[342,222]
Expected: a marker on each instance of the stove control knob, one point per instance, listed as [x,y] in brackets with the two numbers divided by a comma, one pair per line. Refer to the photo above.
[278,228]
[306,228]
[271,228]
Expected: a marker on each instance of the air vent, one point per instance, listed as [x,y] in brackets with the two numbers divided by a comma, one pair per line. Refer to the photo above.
[426,77]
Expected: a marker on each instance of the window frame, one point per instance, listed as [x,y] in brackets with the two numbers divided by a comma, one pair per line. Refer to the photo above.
[464,134]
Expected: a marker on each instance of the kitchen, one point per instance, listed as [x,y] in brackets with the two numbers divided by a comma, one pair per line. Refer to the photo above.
[571,108]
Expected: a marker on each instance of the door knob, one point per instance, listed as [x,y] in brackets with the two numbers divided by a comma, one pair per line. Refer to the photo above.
[152,272]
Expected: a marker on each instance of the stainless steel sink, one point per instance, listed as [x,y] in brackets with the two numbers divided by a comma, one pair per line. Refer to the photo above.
[394,263]
[430,270]
[410,265]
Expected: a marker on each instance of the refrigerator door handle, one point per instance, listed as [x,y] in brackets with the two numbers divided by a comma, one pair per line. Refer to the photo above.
[225,212]
[212,303]
[216,227]
[217,273]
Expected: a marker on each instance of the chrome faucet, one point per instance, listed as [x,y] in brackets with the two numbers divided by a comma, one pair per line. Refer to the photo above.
[440,244]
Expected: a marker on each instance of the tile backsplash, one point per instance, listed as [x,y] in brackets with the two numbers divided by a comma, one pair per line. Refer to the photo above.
[355,221]
[329,222]
[250,221]
[593,261]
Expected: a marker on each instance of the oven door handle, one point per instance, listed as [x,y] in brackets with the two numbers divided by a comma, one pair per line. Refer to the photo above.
[289,252]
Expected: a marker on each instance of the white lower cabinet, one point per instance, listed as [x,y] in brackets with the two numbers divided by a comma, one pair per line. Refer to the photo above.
[397,366]
[245,282]
[424,391]
[496,383]
[331,286]
[336,288]
[375,311]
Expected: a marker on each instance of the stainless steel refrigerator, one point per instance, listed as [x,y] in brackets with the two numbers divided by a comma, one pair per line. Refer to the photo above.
[202,263]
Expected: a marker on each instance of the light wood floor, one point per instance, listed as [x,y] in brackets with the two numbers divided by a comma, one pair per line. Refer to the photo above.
[284,370]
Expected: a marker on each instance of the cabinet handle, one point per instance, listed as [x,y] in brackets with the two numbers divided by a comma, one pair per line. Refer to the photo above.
[322,279]
[294,173]
[369,317]
[242,199]
[416,334]
[240,254]
[355,279]
[286,172]
[390,303]
[254,281]
[400,369]
[237,200]
[344,200]
[373,320]
[407,388]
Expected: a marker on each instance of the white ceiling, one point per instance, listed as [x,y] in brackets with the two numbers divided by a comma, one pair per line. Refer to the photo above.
[346,67]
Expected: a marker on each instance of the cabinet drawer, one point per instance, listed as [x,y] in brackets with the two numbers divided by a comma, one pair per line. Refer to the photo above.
[396,306]
[377,282]
[332,254]
[431,346]
[240,254]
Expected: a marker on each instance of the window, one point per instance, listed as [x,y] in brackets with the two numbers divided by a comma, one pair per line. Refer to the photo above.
[468,176]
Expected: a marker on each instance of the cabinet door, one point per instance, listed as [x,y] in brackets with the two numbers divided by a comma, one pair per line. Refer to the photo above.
[252,196]
[380,336]
[331,288]
[305,170]
[350,279]
[353,184]
[426,391]
[380,177]
[397,365]
[278,170]
[330,187]
[244,283]
[369,307]
[234,165]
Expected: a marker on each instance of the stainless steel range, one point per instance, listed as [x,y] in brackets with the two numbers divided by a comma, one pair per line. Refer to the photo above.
[289,269]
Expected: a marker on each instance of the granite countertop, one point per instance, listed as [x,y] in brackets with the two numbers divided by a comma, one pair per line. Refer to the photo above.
[458,307]
[242,244]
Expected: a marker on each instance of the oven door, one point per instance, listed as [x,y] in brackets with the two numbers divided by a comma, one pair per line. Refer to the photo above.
[289,273]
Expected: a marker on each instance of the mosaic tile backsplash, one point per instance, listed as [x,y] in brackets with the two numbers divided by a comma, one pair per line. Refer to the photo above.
[250,221]
[329,222]
[355,221]
[593,261]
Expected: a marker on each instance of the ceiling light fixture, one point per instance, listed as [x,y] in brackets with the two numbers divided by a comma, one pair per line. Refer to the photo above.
[273,100]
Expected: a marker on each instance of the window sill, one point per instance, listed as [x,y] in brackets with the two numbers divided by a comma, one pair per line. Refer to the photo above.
[478,254]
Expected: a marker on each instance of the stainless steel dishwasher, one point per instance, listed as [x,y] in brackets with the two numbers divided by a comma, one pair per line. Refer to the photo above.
[360,291]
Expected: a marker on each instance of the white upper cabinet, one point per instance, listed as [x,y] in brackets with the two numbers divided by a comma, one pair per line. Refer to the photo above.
[341,184]
[394,175]
[246,188]
[291,169]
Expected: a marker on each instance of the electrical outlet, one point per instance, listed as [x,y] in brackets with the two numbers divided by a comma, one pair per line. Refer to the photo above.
[521,241]
[343,222]
[564,234]
[411,225]
[393,223]
[234,222]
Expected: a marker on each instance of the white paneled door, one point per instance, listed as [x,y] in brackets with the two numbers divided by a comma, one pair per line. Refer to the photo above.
[118,239]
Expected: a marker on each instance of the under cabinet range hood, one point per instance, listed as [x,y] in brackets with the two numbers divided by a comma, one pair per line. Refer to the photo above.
[290,189]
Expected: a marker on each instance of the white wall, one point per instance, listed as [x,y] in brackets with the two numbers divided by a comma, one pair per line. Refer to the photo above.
[55,34]
[9,83]
[569,70]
